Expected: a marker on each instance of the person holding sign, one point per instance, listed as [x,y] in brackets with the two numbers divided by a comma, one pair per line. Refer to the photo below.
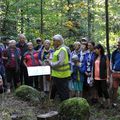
[31,59]
[46,54]
[60,69]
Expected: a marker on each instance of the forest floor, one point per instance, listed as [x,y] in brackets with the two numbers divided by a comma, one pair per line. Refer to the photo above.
[12,106]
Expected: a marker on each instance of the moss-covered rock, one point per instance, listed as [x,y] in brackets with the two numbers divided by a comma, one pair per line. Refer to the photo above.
[29,93]
[74,109]
[118,93]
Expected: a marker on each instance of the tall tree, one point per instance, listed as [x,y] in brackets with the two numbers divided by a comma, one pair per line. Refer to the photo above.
[41,27]
[107,27]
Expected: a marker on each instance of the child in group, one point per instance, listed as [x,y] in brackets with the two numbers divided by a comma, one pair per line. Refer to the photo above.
[76,81]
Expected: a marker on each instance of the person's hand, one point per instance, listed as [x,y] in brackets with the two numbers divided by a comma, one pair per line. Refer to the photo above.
[1,82]
[108,81]
[40,62]
[112,71]
[5,58]
[47,62]
[78,63]
[88,74]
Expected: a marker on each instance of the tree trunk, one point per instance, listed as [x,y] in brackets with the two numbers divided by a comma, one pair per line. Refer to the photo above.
[41,27]
[107,27]
[3,29]
[22,22]
[69,15]
[89,21]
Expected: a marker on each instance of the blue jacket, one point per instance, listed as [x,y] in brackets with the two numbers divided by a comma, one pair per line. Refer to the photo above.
[83,66]
[75,72]
[89,60]
[116,60]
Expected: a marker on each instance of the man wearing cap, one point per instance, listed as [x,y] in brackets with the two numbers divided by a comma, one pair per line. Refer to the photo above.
[39,46]
[60,69]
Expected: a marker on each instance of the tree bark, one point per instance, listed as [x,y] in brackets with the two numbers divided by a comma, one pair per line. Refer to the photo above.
[107,27]
[22,22]
[41,27]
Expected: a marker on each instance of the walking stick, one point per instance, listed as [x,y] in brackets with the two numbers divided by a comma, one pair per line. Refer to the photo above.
[50,89]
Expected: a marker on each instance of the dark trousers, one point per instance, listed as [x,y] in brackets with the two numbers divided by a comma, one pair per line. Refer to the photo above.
[12,76]
[101,87]
[60,85]
[26,82]
[41,83]
[33,81]
[22,73]
[30,80]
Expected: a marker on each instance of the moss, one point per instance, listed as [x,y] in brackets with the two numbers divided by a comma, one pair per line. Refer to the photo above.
[119,91]
[5,115]
[74,109]
[28,93]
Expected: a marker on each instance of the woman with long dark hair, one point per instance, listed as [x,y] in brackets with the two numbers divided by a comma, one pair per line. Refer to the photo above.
[101,74]
[45,54]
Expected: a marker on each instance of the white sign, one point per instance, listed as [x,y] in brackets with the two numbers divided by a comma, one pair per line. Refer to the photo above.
[38,70]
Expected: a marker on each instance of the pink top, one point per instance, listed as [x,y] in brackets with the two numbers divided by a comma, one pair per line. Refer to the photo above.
[97,69]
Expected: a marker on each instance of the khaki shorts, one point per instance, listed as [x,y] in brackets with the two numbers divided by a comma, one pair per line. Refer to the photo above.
[116,80]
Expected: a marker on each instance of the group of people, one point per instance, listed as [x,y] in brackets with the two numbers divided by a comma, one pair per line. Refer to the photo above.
[94,73]
[18,56]
[80,70]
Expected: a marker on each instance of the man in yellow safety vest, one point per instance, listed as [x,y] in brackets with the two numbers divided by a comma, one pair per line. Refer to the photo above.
[60,69]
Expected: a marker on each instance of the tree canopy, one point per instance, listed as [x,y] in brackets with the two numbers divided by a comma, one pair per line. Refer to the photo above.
[71,18]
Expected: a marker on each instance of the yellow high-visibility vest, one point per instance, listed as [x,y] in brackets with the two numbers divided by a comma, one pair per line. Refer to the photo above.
[62,71]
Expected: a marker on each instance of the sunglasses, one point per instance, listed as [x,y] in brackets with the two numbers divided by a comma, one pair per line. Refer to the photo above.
[39,40]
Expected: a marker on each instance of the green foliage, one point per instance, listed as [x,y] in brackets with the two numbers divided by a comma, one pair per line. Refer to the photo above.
[100,21]
[74,109]
[87,18]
